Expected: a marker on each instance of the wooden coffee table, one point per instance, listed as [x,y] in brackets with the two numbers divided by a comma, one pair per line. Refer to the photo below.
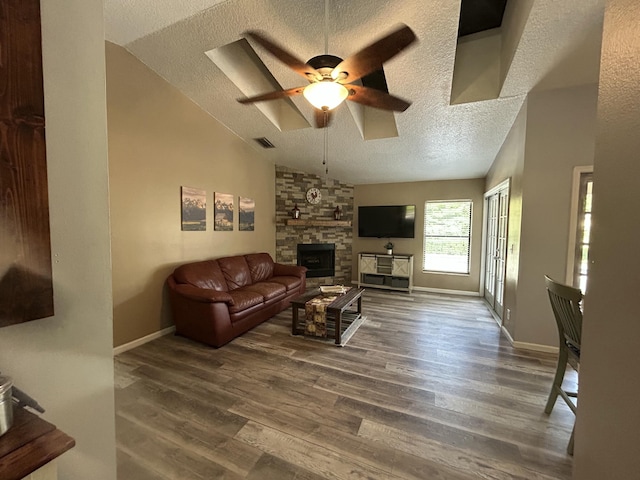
[344,320]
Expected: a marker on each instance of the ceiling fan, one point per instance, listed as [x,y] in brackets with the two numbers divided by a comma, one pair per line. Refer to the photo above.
[331,78]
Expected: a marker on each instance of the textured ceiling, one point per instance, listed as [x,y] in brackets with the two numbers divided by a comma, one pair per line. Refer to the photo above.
[545,44]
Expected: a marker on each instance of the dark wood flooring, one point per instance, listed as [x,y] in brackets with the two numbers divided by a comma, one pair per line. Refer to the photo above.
[427,388]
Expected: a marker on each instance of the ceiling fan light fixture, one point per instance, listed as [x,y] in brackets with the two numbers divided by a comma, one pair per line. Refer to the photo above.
[325,95]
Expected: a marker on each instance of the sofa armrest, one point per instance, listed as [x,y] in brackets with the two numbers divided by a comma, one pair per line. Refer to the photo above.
[204,295]
[292,270]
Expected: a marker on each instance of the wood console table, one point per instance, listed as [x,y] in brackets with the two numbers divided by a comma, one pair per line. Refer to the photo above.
[392,272]
[31,443]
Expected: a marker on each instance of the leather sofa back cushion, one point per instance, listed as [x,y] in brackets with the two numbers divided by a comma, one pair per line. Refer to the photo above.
[260,266]
[206,274]
[236,271]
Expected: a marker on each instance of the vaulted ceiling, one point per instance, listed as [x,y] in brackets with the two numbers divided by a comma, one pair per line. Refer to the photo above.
[465,91]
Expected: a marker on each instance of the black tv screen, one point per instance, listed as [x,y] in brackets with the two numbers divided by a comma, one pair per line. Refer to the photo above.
[387,221]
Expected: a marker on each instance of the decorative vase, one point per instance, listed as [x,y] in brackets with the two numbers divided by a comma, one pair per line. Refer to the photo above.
[337,213]
[389,251]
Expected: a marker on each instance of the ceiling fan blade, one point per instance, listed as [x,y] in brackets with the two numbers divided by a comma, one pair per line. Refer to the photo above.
[272,95]
[323,118]
[295,64]
[376,98]
[371,58]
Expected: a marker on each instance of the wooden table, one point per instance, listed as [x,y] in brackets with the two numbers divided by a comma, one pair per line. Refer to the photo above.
[31,443]
[345,322]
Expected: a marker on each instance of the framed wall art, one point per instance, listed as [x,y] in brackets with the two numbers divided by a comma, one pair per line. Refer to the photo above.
[247,208]
[194,209]
[223,212]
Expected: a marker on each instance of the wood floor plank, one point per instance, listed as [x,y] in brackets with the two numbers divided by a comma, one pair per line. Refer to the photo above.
[182,404]
[165,457]
[273,468]
[454,435]
[311,457]
[209,444]
[427,388]
[470,387]
[562,416]
[181,382]
[380,456]
[453,457]
[128,467]
[522,432]
[297,419]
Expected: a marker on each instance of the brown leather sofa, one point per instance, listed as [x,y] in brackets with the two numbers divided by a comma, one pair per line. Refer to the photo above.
[214,301]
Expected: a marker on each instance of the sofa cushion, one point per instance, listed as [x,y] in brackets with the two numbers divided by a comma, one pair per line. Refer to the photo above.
[244,299]
[291,283]
[206,274]
[205,295]
[260,266]
[268,290]
[236,271]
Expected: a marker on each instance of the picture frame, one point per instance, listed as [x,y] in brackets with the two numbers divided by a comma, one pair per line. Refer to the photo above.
[223,212]
[246,214]
[193,209]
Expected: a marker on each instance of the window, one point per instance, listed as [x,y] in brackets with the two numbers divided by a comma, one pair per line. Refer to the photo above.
[580,228]
[583,234]
[447,236]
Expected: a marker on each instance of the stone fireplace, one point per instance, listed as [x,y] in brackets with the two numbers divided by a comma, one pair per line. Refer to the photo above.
[291,187]
[319,258]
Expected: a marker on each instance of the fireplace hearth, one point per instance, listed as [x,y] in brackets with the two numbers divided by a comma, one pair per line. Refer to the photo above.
[319,258]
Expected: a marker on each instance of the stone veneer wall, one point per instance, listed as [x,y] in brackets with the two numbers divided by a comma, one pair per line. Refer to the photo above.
[291,188]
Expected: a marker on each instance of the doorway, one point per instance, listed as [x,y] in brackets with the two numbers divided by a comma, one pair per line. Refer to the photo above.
[495,253]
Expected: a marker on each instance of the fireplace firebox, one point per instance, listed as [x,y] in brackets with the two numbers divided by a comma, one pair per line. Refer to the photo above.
[319,258]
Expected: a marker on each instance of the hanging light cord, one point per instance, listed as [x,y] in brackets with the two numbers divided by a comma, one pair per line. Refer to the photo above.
[326,27]
[325,160]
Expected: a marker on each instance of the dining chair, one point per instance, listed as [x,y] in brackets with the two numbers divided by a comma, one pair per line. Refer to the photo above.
[565,303]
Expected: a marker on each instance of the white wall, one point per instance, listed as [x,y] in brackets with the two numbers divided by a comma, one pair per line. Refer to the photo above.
[560,135]
[159,140]
[553,133]
[65,362]
[509,164]
[608,423]
[417,193]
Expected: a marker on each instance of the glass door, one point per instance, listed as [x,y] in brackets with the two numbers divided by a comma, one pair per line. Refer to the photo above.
[501,250]
[490,249]
[495,254]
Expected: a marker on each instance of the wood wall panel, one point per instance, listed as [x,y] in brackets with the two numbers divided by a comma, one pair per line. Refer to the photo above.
[26,288]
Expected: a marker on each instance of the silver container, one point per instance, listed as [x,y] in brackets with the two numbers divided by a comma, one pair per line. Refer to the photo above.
[6,404]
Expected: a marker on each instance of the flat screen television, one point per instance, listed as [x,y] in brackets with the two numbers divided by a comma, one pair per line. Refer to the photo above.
[387,221]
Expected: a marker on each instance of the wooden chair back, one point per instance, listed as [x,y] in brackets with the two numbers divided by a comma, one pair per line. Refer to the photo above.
[565,303]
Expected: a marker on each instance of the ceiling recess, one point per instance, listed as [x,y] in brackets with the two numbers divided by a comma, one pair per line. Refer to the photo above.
[480,15]
[240,63]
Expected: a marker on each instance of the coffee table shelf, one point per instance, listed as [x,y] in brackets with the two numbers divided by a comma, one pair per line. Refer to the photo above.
[343,317]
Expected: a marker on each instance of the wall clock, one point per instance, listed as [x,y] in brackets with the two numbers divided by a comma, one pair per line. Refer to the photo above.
[314,196]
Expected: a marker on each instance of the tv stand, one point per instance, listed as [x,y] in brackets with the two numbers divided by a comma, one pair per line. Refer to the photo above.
[390,272]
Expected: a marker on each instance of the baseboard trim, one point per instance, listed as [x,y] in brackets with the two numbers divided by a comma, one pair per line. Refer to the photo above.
[143,340]
[465,293]
[506,333]
[536,347]
[495,316]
